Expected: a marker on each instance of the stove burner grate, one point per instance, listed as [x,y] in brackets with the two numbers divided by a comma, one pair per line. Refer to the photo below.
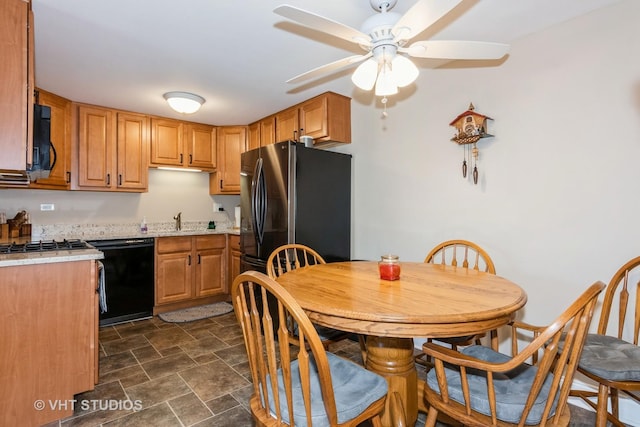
[43,246]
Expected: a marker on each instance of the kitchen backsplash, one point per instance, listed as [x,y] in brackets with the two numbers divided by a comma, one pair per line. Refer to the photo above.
[99,231]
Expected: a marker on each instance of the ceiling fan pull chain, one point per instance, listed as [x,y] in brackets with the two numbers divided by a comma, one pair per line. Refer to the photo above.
[384,102]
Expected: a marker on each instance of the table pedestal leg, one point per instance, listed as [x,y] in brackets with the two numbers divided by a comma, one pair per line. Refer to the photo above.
[393,359]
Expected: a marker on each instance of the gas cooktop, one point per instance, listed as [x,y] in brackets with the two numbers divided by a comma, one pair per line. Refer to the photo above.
[43,246]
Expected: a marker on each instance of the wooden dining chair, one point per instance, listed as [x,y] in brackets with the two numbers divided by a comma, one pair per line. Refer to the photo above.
[299,383]
[461,253]
[611,356]
[479,386]
[292,256]
[465,254]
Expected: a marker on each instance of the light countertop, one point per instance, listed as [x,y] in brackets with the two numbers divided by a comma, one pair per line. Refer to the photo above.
[14,259]
[88,232]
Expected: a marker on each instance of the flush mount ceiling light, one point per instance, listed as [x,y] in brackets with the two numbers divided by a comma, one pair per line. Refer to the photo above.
[184,102]
[385,36]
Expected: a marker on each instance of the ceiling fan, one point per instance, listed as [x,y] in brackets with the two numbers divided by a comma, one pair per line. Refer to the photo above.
[384,37]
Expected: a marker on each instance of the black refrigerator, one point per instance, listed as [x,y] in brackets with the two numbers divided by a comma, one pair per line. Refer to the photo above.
[290,193]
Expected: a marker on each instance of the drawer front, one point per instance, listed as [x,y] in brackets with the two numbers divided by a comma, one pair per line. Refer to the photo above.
[173,244]
[211,242]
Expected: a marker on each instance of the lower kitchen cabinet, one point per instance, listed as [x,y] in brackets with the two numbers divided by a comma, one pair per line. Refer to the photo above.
[190,271]
[49,339]
[234,258]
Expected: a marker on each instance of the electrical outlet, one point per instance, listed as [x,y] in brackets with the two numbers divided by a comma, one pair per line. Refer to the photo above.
[47,207]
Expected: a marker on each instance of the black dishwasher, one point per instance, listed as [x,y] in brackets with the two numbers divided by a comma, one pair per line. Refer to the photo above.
[128,279]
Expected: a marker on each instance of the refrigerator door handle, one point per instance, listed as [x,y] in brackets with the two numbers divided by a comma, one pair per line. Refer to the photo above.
[258,201]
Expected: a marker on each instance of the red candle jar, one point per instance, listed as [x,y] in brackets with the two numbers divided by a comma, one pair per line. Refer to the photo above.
[389,267]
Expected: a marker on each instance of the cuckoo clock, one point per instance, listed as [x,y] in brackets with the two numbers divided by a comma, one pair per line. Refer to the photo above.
[470,128]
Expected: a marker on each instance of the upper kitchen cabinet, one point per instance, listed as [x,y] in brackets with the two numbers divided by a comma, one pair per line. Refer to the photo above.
[60,133]
[167,145]
[175,143]
[262,133]
[200,141]
[288,125]
[133,152]
[232,142]
[16,84]
[112,150]
[253,136]
[326,118]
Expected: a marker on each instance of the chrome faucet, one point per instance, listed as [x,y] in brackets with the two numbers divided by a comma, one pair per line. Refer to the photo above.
[178,219]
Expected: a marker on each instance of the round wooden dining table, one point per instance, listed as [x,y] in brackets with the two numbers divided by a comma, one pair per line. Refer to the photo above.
[428,300]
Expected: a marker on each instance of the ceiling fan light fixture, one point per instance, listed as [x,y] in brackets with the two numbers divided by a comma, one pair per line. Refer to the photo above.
[404,71]
[365,75]
[184,102]
[386,84]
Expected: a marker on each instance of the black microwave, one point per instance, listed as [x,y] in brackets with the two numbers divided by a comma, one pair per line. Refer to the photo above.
[43,149]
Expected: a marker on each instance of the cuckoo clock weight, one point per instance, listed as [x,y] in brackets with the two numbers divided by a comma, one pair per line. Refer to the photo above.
[470,128]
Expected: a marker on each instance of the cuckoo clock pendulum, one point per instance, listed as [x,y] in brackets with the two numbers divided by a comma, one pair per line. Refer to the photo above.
[470,128]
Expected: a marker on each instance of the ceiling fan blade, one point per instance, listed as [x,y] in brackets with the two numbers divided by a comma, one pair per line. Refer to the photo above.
[323,24]
[327,68]
[421,16]
[453,49]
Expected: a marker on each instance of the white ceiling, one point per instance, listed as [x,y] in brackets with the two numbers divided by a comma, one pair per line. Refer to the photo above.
[236,54]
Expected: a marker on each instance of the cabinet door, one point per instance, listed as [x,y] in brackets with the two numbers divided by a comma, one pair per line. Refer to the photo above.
[166,142]
[268,131]
[174,280]
[210,277]
[313,117]
[16,107]
[47,309]
[60,175]
[232,142]
[200,141]
[262,133]
[234,259]
[133,151]
[210,264]
[96,147]
[287,125]
[326,118]
[253,136]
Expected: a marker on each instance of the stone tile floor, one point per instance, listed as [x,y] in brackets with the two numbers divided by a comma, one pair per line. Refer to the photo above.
[154,373]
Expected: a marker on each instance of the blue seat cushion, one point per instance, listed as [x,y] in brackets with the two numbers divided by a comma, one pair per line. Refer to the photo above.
[325,333]
[328,333]
[512,388]
[611,358]
[354,387]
